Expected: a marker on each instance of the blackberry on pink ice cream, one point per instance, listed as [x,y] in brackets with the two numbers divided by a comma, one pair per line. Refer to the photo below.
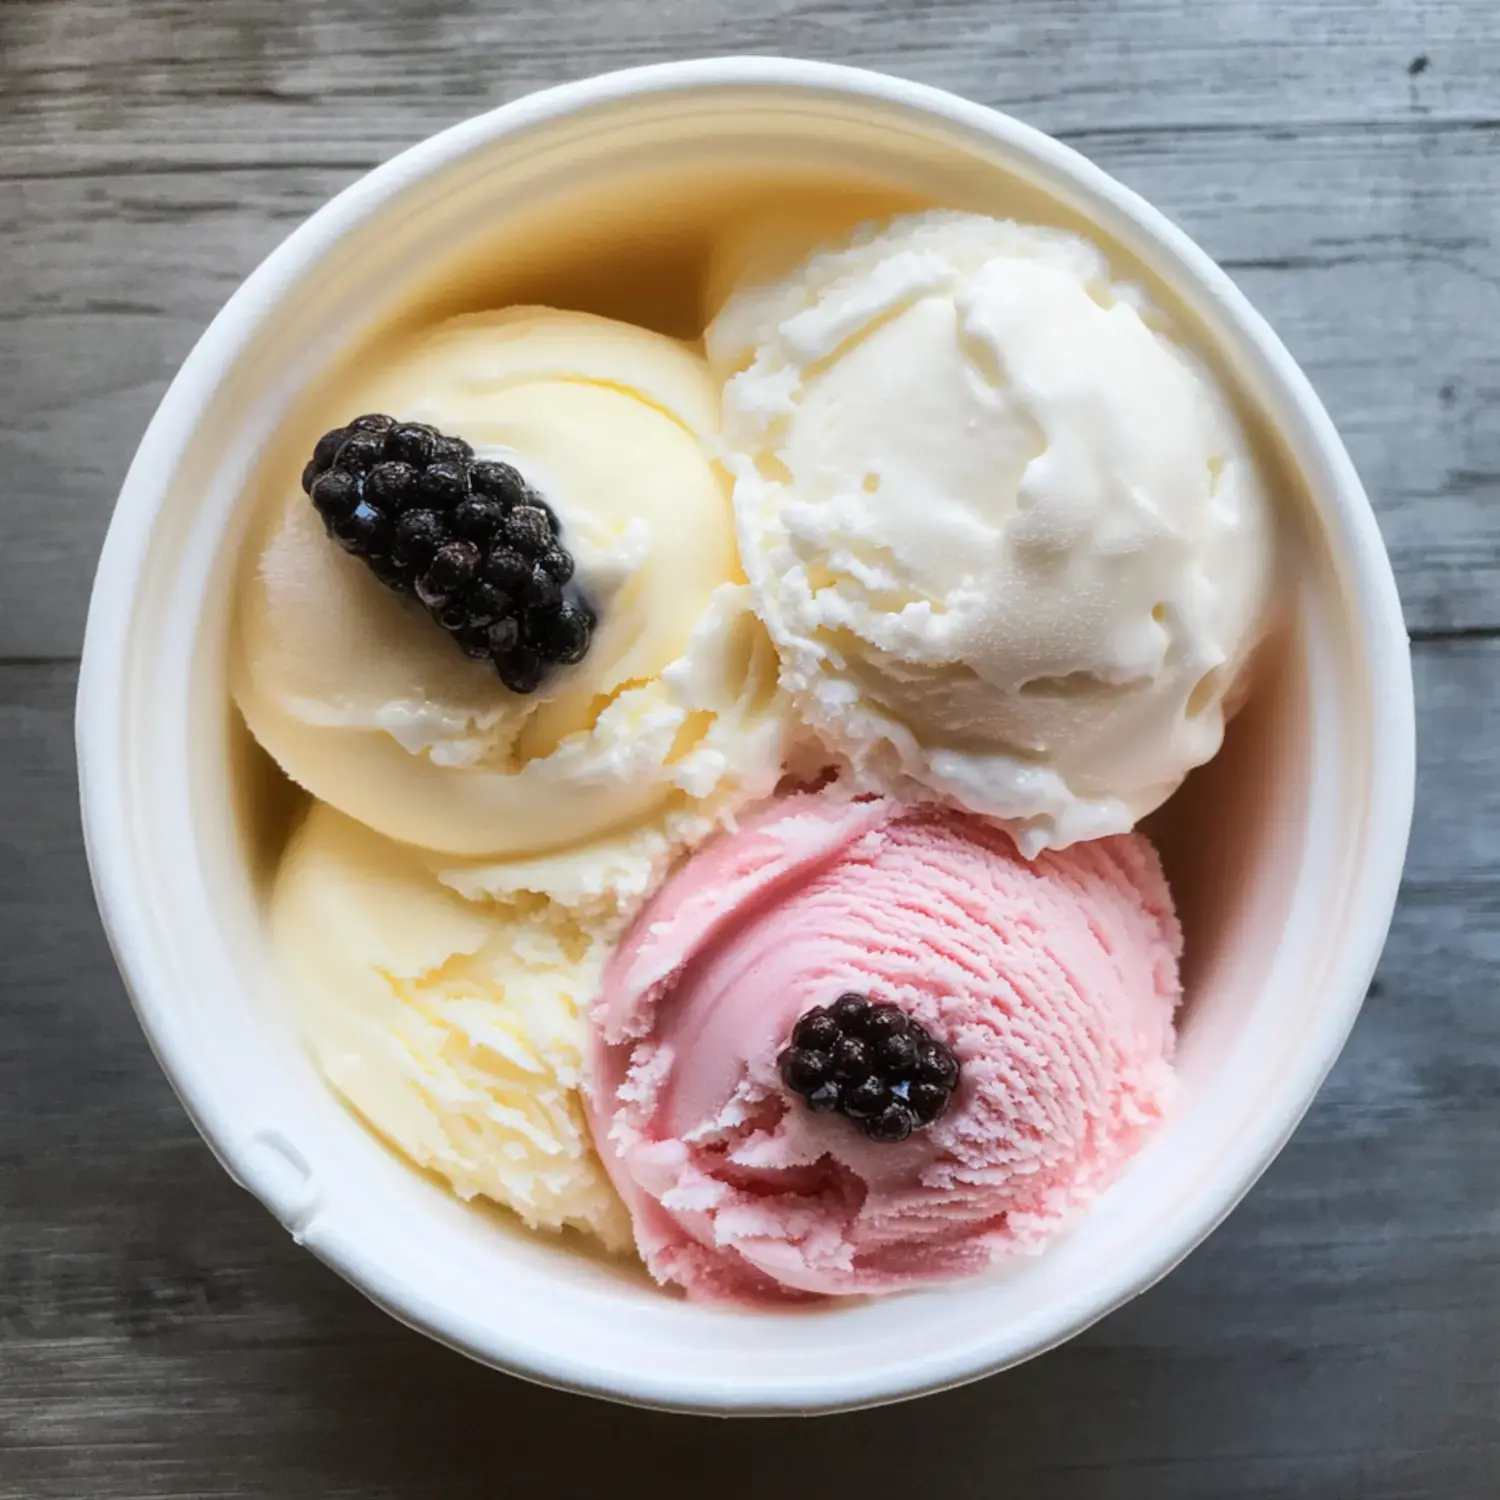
[871,1063]
[467,536]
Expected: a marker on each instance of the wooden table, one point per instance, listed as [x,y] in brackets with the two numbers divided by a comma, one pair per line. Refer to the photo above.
[1340,1336]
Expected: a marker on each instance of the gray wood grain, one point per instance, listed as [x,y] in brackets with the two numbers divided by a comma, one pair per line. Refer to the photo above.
[1340,1337]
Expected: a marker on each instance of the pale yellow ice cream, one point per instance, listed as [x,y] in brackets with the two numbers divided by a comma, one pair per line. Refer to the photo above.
[454,1028]
[1009,537]
[672,716]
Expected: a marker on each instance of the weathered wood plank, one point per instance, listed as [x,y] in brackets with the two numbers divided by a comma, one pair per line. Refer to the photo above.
[1336,1338]
[98,82]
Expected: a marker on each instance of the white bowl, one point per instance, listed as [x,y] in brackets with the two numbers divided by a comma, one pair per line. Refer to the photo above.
[1286,852]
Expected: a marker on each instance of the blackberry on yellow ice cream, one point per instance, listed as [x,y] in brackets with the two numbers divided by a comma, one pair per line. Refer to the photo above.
[468,537]
[871,1063]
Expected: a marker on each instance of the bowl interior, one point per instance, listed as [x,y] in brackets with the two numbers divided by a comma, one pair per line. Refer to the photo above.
[626,206]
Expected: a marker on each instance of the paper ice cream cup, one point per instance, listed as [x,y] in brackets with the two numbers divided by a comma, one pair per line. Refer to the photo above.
[1286,852]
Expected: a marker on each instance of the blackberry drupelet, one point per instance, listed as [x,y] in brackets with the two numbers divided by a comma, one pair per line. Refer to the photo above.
[467,536]
[871,1063]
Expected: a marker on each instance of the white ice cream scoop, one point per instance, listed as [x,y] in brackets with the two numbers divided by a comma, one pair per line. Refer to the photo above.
[1009,539]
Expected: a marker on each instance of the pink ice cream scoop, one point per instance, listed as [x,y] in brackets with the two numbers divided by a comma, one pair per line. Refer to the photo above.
[1053,982]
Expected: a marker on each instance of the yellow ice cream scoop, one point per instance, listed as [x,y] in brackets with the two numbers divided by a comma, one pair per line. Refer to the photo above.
[367,703]
[454,1028]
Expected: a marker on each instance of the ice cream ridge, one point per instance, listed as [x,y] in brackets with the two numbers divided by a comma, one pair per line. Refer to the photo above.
[723,762]
[863,931]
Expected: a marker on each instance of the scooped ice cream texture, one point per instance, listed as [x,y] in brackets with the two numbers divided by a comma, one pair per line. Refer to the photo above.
[674,712]
[1012,550]
[455,1029]
[1054,982]
[1008,538]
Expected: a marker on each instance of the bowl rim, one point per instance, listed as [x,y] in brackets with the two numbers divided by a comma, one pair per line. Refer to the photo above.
[1343,511]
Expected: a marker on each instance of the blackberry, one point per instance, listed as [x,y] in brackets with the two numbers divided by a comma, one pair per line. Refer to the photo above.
[365,531]
[563,634]
[497,481]
[326,449]
[521,669]
[865,1098]
[486,604]
[454,567]
[360,452]
[503,636]
[452,616]
[443,485]
[451,450]
[541,588]
[392,485]
[334,494]
[372,422]
[852,1059]
[478,518]
[527,530]
[419,533]
[410,442]
[507,570]
[476,545]
[894,1123]
[871,1063]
